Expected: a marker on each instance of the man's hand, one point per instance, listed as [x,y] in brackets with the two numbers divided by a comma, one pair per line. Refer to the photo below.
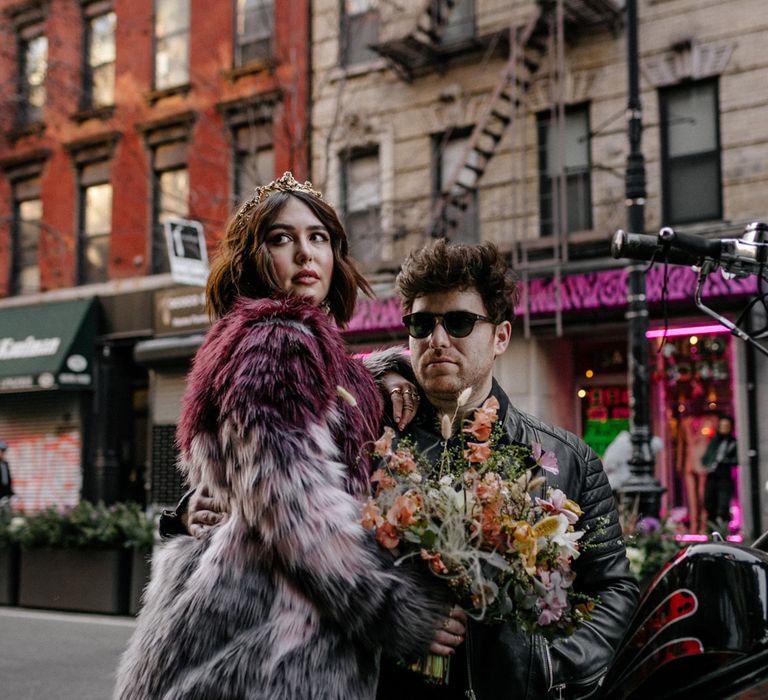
[403,395]
[450,633]
[203,513]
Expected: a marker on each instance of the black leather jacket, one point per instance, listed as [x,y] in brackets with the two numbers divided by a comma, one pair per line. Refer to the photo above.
[502,664]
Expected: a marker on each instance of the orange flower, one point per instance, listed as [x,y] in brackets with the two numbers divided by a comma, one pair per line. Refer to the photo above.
[383,480]
[386,536]
[485,416]
[435,562]
[383,445]
[371,516]
[403,461]
[477,452]
[524,541]
[402,510]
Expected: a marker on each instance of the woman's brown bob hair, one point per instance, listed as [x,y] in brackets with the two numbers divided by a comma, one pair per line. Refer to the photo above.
[243,266]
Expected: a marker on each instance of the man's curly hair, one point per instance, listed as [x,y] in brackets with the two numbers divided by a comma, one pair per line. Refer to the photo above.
[444,267]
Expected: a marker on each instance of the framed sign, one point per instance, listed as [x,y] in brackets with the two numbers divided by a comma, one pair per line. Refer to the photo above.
[187,252]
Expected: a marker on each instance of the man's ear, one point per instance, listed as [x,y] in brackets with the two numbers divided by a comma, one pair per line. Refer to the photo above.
[501,337]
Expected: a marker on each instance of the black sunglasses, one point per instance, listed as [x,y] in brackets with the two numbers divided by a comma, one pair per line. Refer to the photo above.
[457,324]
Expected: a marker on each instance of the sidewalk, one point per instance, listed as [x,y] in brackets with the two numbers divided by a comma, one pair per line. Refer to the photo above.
[49,655]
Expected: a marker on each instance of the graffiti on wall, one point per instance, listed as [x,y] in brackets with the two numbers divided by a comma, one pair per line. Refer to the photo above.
[46,470]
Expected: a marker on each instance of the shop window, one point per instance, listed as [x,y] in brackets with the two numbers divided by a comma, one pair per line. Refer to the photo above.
[461,22]
[254,159]
[362,204]
[100,53]
[690,153]
[254,29]
[692,386]
[448,151]
[565,152]
[171,43]
[359,30]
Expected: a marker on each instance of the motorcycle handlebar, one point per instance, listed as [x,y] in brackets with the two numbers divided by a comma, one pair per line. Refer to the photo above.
[741,256]
[639,246]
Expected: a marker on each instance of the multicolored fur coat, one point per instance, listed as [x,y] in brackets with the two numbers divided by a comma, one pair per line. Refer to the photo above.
[290,599]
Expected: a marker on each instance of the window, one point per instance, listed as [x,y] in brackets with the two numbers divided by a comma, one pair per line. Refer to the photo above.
[254,159]
[99,74]
[448,151]
[171,43]
[359,29]
[171,201]
[96,218]
[690,158]
[28,215]
[362,204]
[461,22]
[33,67]
[255,24]
[565,152]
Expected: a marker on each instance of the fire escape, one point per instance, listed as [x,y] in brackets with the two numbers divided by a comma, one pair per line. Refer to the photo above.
[538,40]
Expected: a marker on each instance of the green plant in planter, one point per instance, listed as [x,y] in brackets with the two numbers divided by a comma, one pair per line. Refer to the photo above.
[86,526]
[651,543]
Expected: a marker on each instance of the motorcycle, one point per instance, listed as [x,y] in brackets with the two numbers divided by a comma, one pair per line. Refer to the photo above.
[701,628]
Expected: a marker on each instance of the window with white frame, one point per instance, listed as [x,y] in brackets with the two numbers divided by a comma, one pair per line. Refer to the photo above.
[565,184]
[448,155]
[690,153]
[171,43]
[359,30]
[362,203]
[100,54]
[254,24]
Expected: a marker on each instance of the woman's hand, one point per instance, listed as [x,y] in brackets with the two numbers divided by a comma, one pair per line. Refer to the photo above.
[403,395]
[450,633]
[203,513]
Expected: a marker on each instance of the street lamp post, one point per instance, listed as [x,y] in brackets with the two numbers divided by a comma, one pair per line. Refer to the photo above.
[642,486]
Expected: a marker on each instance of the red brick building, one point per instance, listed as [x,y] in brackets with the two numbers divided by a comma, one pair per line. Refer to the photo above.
[115,116]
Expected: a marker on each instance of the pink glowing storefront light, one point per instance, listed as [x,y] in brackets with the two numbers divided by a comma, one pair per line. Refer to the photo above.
[686,330]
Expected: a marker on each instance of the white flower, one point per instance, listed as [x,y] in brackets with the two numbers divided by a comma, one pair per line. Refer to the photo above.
[17,522]
[446,426]
[446,481]
[566,541]
[415,477]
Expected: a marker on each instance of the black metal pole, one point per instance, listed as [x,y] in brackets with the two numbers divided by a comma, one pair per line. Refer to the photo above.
[642,486]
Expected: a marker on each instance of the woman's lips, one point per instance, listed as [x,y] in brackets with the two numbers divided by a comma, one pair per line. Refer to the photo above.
[305,277]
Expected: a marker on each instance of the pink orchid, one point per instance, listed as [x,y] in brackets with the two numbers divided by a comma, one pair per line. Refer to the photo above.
[558,502]
[546,460]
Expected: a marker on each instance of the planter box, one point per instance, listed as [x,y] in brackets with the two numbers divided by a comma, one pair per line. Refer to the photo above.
[9,575]
[140,570]
[87,580]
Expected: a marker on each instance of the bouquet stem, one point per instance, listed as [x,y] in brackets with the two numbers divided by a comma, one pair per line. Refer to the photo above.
[435,668]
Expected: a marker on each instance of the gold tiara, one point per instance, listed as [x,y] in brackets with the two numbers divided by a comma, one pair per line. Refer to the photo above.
[286,183]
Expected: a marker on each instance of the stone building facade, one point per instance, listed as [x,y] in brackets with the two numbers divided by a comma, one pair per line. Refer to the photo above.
[500,121]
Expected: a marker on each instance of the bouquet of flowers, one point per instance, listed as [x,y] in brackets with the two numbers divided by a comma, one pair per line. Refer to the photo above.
[472,518]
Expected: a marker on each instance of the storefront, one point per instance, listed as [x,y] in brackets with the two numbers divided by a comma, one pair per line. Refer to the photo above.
[698,371]
[46,382]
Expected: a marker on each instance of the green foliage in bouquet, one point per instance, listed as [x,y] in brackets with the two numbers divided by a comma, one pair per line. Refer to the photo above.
[85,526]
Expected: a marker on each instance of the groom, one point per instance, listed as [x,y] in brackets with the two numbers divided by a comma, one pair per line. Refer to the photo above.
[459,303]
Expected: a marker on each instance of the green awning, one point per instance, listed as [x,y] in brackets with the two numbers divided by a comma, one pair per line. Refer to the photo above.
[47,346]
